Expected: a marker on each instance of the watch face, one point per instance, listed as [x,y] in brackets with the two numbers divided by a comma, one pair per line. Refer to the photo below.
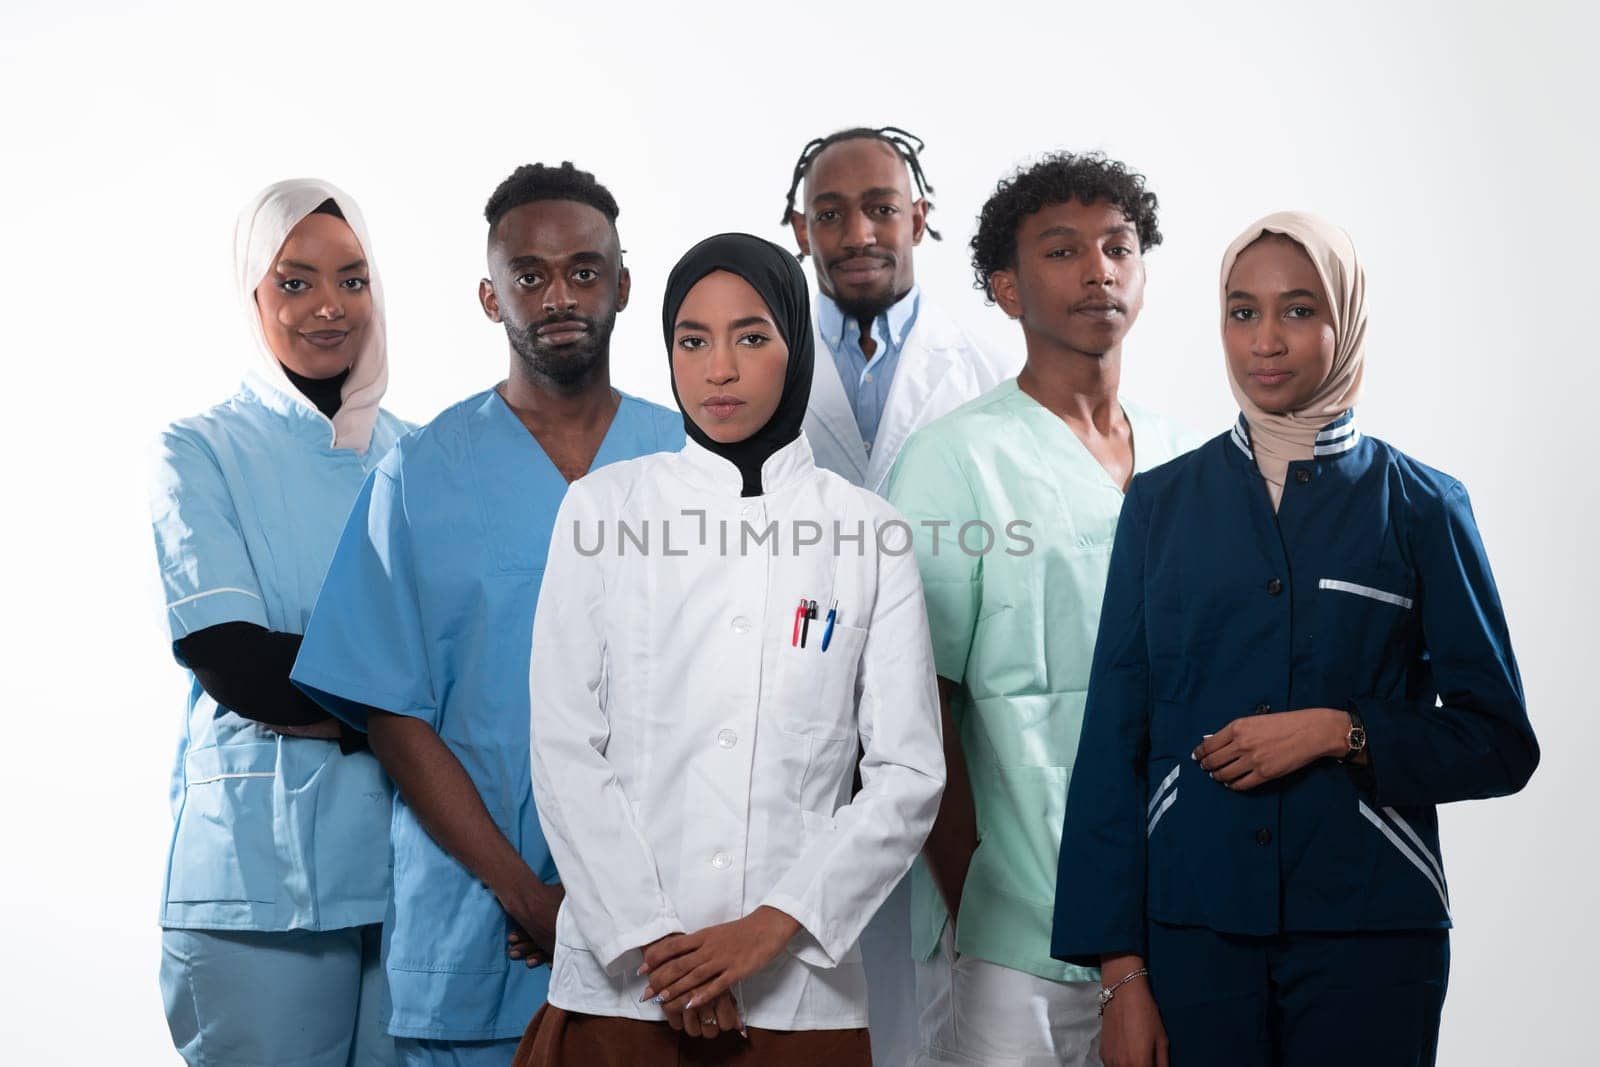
[1358,738]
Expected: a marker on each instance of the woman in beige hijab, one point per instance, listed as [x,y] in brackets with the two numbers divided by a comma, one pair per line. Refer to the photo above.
[277,880]
[1302,652]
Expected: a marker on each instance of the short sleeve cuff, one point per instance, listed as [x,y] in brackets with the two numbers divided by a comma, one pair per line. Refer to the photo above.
[213,607]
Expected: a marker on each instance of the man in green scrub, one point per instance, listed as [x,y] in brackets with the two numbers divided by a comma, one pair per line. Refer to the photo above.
[1014,499]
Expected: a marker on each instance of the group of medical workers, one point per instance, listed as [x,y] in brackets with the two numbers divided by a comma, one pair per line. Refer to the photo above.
[891,701]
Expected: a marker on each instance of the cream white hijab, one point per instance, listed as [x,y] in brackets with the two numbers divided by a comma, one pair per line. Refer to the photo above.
[1279,439]
[263,226]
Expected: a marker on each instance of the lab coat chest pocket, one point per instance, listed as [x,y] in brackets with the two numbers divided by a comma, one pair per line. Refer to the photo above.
[816,688]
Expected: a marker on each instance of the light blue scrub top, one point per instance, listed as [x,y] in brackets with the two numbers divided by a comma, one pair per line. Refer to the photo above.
[428,611]
[867,382]
[272,833]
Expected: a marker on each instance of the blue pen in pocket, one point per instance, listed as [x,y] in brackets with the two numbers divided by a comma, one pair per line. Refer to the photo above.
[827,634]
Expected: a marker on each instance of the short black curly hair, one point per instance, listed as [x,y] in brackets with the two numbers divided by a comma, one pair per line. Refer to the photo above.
[539,181]
[1056,179]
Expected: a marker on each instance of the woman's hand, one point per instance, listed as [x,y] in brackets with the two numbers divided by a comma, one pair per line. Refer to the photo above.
[712,1019]
[1131,1034]
[689,971]
[322,730]
[1258,748]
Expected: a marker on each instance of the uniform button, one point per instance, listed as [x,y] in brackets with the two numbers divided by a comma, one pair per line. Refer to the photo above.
[1274,587]
[740,624]
[1263,707]
[867,378]
[1263,837]
[750,511]
[727,739]
[721,861]
[1302,476]
[867,445]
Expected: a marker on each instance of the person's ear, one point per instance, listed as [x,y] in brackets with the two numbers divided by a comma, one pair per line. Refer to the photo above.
[624,287]
[919,220]
[489,300]
[802,235]
[1003,288]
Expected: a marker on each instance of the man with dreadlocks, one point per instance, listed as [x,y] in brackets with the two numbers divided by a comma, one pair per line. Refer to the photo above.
[1060,247]
[858,205]
[421,635]
[896,362]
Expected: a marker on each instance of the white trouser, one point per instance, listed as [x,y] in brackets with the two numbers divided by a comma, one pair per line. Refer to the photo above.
[891,980]
[979,1014]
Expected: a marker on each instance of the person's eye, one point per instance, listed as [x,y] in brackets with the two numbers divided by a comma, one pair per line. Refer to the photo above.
[530,279]
[886,210]
[586,274]
[294,285]
[754,340]
[1300,311]
[1057,253]
[355,285]
[691,344]
[827,216]
[1120,250]
[1242,314]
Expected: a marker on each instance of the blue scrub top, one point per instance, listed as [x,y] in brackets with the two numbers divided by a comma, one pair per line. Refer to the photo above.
[1368,591]
[271,833]
[428,611]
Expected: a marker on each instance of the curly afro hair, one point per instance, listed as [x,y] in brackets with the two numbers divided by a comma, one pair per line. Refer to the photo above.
[538,181]
[1056,179]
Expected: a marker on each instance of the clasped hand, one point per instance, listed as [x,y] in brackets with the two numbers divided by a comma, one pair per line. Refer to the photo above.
[1258,748]
[692,975]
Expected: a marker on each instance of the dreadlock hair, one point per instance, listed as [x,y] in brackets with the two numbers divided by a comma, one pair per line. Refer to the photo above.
[1056,179]
[908,146]
[537,181]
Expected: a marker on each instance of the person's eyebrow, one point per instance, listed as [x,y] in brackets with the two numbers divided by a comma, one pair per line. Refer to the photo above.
[750,320]
[1299,294]
[1121,229]
[295,264]
[359,264]
[519,262]
[1240,294]
[1057,231]
[690,324]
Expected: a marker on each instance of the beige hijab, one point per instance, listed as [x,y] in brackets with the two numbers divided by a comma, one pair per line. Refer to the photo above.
[263,226]
[1276,439]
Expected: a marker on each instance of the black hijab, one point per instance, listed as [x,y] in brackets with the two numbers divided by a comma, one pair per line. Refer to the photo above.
[777,276]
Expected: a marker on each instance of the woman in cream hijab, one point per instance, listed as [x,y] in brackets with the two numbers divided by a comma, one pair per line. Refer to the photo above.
[277,878]
[1302,652]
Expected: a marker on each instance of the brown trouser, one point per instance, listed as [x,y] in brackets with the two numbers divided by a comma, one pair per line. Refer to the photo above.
[557,1038]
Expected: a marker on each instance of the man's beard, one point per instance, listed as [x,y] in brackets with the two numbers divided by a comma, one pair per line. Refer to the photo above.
[566,365]
[867,307]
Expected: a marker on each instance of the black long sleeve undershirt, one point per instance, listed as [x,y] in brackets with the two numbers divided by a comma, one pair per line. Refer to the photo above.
[246,669]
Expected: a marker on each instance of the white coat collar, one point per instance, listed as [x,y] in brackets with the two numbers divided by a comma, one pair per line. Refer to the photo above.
[785,467]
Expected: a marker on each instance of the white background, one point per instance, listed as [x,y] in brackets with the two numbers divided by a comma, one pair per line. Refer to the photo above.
[1456,142]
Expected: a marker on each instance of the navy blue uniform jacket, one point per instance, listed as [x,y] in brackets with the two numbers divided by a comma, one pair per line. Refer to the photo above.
[1369,590]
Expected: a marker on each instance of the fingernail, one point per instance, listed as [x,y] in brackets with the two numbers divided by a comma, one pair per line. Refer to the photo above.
[645,995]
[643,967]
[659,998]
[744,1034]
[688,1004]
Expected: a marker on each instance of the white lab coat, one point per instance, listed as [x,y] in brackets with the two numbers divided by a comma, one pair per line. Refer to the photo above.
[940,368]
[691,763]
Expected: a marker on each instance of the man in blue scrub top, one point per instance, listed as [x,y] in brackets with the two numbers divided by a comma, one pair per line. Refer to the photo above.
[422,632]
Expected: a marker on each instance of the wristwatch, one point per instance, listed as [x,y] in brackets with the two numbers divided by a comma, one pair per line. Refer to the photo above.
[1356,739]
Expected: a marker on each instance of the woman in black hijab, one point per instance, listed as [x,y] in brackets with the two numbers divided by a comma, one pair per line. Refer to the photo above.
[696,733]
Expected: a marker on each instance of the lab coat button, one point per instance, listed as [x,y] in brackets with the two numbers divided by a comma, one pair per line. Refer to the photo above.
[1263,836]
[721,861]
[727,739]
[750,511]
[740,625]
[1274,587]
[1302,476]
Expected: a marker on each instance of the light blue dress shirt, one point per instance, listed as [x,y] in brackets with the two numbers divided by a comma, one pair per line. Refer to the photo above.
[866,382]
